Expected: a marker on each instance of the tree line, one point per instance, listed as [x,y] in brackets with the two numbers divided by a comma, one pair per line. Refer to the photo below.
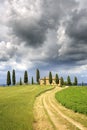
[12,81]
[68,82]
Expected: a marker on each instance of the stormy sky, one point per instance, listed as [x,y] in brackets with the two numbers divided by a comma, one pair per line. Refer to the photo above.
[47,34]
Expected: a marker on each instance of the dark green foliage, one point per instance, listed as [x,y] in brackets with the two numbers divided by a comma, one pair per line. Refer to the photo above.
[74,98]
[69,81]
[37,76]
[65,83]
[57,79]
[13,78]
[8,78]
[25,77]
[62,81]
[32,80]
[75,81]
[44,80]
[50,77]
[82,83]
[20,81]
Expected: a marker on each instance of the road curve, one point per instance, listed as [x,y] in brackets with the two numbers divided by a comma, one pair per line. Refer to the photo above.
[47,115]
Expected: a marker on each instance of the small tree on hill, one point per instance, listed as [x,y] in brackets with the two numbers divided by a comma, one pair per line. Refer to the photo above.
[13,78]
[44,80]
[20,81]
[69,81]
[50,77]
[82,83]
[25,77]
[8,78]
[37,75]
[65,82]
[32,81]
[75,81]
[62,81]
[56,79]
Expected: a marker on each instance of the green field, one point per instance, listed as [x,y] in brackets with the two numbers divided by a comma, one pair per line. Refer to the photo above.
[74,98]
[16,106]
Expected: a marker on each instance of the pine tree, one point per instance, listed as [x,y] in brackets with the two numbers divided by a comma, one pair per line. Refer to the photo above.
[32,81]
[75,81]
[8,78]
[56,79]
[62,81]
[82,83]
[50,77]
[13,78]
[69,81]
[25,77]
[20,81]
[44,80]
[37,76]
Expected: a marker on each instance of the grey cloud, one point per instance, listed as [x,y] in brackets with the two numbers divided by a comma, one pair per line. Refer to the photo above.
[33,31]
[77,26]
[4,58]
[6,52]
[76,32]
[2,1]
[33,34]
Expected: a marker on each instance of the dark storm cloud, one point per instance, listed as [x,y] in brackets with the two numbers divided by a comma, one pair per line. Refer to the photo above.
[33,29]
[4,58]
[76,43]
[33,35]
[77,27]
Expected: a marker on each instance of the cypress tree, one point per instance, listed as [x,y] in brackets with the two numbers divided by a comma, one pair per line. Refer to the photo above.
[82,83]
[75,81]
[56,79]
[8,78]
[25,77]
[69,81]
[20,81]
[32,81]
[44,80]
[37,75]
[13,78]
[62,81]
[50,77]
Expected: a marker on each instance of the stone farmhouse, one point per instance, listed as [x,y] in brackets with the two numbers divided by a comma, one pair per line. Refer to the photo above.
[45,81]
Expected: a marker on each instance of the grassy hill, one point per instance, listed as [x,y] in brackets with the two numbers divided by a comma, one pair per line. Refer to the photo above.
[74,98]
[16,106]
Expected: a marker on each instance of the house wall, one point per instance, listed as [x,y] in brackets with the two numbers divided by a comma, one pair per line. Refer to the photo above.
[46,82]
[41,81]
[59,83]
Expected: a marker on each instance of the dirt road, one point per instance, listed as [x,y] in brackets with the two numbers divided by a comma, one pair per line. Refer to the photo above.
[49,115]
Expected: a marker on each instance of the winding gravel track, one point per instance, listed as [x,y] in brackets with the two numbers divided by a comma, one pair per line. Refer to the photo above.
[47,115]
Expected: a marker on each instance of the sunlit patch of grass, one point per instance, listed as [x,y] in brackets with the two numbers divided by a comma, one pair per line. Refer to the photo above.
[16,106]
[74,98]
